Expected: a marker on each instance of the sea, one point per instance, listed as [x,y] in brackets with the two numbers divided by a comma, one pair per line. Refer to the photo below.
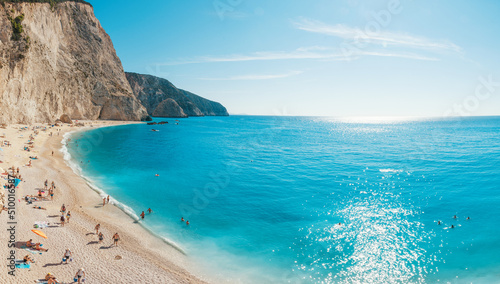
[309,199]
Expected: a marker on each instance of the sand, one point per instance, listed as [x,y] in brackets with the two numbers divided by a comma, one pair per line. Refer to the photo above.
[142,258]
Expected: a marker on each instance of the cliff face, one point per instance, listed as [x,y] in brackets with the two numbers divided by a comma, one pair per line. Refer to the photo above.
[63,62]
[161,98]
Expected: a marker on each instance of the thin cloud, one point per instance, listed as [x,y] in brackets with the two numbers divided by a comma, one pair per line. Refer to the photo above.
[255,77]
[383,38]
[303,53]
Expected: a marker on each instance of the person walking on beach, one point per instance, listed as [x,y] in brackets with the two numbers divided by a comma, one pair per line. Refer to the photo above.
[103,202]
[101,237]
[67,256]
[52,153]
[97,227]
[63,209]
[63,219]
[46,184]
[116,238]
[68,215]
[107,198]
[80,275]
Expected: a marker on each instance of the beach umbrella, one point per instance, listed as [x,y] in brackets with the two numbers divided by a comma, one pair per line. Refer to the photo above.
[40,233]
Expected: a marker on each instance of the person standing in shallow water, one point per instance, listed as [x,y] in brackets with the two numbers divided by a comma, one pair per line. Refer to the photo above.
[142,215]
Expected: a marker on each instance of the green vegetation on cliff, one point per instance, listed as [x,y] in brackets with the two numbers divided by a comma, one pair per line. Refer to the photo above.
[52,3]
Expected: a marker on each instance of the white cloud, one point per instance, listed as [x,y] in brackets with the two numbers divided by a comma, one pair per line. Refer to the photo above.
[255,77]
[312,53]
[381,37]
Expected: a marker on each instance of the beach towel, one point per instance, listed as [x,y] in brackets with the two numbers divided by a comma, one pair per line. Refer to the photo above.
[41,224]
[30,250]
[23,265]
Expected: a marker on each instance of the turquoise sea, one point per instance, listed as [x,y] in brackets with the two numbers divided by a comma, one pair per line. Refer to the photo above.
[311,199]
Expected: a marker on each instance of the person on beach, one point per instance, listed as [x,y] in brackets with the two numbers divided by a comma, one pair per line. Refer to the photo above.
[29,164]
[68,215]
[67,256]
[51,193]
[107,199]
[39,207]
[46,184]
[80,275]
[38,246]
[150,211]
[116,238]
[27,259]
[101,237]
[103,202]
[142,215]
[97,227]
[29,244]
[52,153]
[63,209]
[51,279]
[63,219]
[53,185]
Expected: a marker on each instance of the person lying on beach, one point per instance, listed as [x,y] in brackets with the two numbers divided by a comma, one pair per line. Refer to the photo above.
[38,246]
[39,207]
[28,259]
[97,227]
[116,238]
[101,237]
[29,244]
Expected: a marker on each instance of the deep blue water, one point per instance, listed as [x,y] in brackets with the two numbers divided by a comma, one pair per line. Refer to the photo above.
[265,195]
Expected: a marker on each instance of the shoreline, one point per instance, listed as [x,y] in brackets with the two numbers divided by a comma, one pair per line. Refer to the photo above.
[102,193]
[141,257]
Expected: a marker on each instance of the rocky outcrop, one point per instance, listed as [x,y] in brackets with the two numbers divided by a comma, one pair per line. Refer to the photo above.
[58,60]
[169,108]
[161,98]
[66,119]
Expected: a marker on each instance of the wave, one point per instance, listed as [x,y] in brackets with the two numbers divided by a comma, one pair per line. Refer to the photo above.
[126,209]
[390,171]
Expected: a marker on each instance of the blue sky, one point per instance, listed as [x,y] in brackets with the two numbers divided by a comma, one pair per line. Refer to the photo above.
[318,57]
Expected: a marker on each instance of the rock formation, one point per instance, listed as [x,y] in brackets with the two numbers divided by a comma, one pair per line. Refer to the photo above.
[161,98]
[57,59]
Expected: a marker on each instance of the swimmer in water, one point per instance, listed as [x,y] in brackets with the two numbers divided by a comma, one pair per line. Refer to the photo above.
[439,222]
[468,218]
[452,226]
[182,219]
[149,210]
[187,223]
[455,217]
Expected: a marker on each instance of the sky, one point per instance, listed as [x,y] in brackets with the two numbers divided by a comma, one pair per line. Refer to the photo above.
[317,57]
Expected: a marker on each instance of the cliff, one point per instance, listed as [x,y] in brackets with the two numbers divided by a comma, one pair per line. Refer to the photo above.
[161,98]
[57,59]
